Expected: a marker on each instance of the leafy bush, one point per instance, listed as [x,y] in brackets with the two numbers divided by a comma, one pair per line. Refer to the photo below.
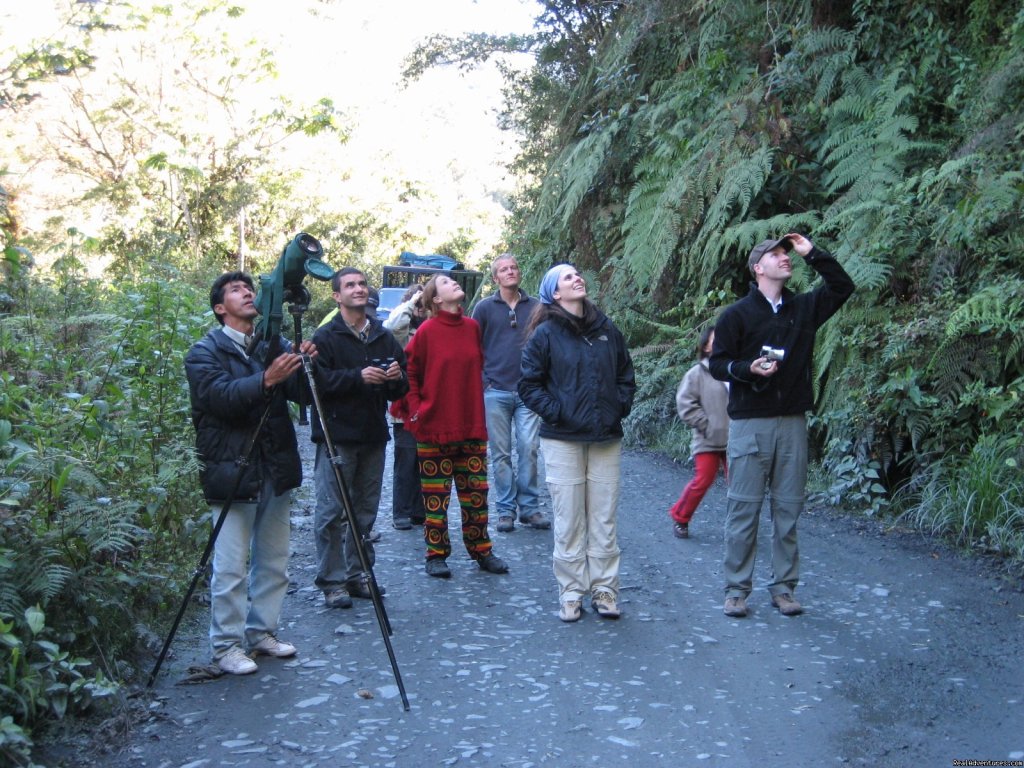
[41,678]
[674,135]
[98,499]
[976,500]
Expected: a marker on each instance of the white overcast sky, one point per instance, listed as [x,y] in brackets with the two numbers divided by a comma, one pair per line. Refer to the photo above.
[351,52]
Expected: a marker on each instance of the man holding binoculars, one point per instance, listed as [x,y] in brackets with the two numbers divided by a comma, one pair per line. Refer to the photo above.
[763,347]
[360,368]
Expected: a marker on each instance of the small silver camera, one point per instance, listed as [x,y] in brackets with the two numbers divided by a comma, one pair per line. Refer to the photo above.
[772,354]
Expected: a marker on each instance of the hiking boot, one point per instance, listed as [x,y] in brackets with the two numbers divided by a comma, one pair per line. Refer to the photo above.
[492,564]
[402,524]
[536,520]
[570,610]
[604,603]
[736,607]
[681,530]
[506,524]
[337,598]
[235,662]
[787,604]
[271,646]
[436,566]
[361,588]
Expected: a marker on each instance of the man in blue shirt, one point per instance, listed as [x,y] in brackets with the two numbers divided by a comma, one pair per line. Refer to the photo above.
[503,317]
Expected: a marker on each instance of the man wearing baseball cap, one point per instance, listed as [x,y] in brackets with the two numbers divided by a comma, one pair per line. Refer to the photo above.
[763,347]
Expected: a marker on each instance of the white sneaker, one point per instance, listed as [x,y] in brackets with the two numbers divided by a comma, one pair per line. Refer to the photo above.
[570,610]
[605,605]
[235,662]
[271,646]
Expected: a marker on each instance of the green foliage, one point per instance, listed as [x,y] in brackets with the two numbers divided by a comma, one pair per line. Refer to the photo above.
[888,132]
[977,500]
[39,678]
[194,180]
[98,499]
[855,481]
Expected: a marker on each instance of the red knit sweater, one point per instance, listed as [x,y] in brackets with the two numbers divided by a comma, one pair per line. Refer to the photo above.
[445,403]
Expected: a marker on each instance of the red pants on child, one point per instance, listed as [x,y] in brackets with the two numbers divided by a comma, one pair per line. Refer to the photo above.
[706,468]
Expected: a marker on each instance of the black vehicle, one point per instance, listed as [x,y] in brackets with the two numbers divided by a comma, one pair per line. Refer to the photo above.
[418,269]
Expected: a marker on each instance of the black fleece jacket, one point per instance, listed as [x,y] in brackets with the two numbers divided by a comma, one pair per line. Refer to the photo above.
[226,390]
[355,411]
[750,323]
[578,377]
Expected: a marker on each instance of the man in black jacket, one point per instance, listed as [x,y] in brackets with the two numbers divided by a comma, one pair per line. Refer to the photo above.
[763,348]
[230,390]
[361,367]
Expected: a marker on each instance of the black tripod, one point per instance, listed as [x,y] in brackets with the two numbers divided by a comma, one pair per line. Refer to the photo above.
[357,534]
[346,503]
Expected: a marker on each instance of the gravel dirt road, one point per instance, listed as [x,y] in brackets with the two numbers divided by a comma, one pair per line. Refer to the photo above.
[907,655]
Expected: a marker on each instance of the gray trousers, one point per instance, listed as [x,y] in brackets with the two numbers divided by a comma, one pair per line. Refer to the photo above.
[765,455]
[362,469]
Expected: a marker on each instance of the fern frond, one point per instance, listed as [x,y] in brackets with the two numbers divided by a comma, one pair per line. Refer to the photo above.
[740,184]
[994,311]
[44,581]
[581,168]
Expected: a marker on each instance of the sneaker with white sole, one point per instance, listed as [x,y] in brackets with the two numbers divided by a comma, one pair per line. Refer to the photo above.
[271,646]
[235,662]
[604,603]
[570,610]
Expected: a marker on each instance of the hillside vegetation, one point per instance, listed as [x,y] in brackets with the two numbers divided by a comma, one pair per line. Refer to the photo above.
[667,137]
[662,139]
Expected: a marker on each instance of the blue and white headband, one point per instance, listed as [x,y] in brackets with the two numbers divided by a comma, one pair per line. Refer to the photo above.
[549,283]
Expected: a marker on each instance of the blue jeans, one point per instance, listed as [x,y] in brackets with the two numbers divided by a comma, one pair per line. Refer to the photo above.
[362,469]
[250,559]
[505,409]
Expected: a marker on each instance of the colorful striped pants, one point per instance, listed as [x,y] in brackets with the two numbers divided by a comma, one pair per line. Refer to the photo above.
[466,463]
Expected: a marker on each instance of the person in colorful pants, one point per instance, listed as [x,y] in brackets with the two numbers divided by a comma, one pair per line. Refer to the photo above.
[445,413]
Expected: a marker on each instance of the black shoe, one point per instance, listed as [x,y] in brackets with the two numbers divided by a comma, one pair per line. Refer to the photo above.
[436,566]
[536,520]
[337,598]
[360,588]
[402,524]
[492,564]
[506,524]
[681,530]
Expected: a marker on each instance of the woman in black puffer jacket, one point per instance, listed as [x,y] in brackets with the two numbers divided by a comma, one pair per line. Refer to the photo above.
[577,375]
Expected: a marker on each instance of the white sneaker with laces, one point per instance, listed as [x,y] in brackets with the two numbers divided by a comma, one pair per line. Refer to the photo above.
[570,610]
[604,603]
[271,646]
[235,662]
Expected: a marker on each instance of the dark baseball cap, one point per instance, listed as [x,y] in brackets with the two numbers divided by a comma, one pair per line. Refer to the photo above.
[372,302]
[763,247]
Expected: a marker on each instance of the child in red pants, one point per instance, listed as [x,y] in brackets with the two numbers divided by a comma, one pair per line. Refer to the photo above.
[701,401]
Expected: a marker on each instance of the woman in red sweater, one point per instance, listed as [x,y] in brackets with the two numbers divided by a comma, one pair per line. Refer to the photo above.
[446,415]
